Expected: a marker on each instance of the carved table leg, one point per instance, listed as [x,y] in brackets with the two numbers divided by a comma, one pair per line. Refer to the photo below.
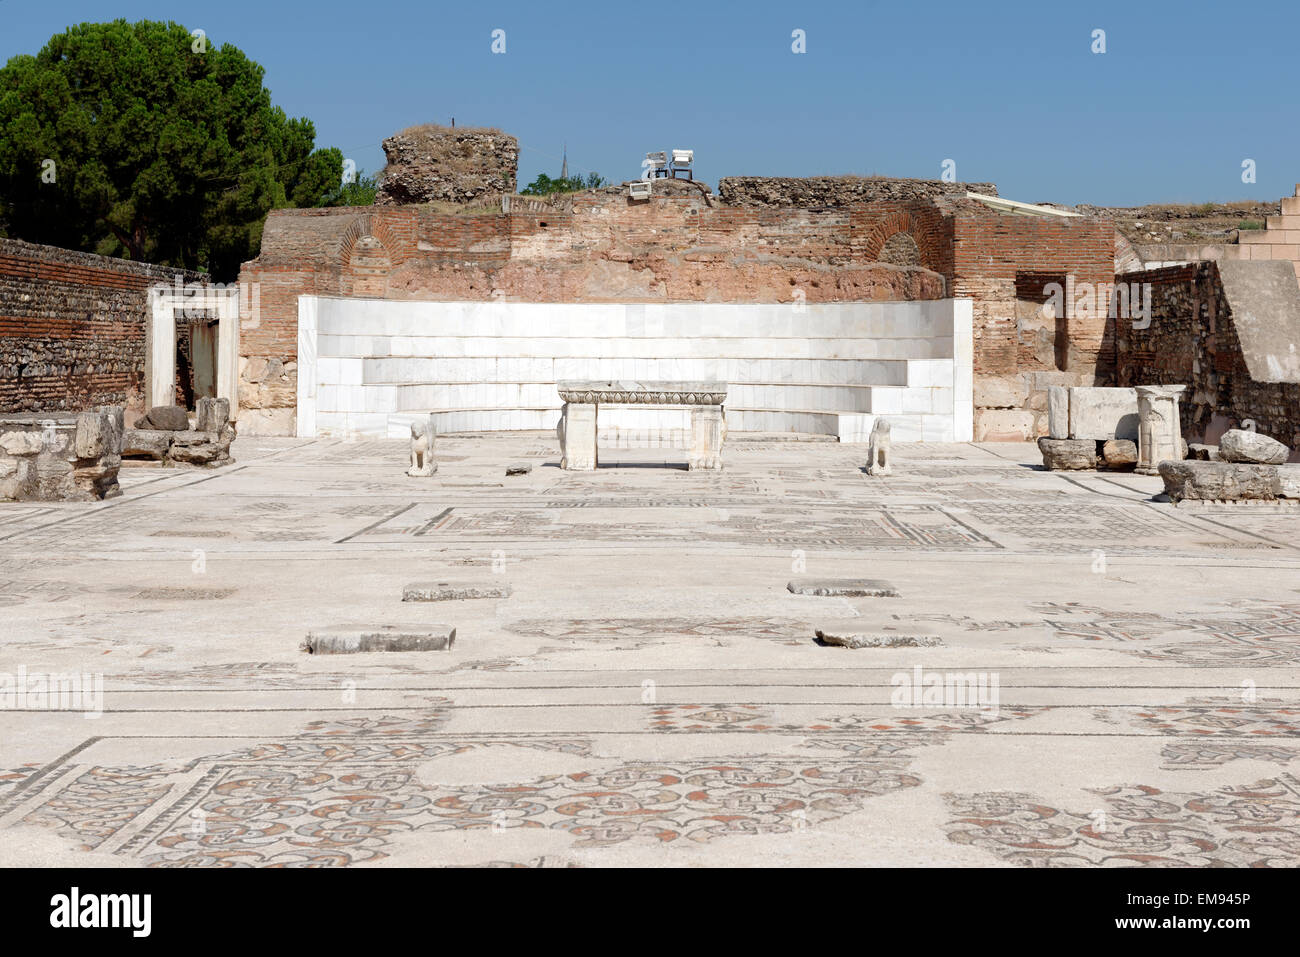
[578,436]
[707,425]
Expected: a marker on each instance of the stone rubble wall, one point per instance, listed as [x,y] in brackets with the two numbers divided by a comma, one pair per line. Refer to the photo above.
[72,327]
[204,442]
[447,164]
[1193,339]
[815,192]
[60,458]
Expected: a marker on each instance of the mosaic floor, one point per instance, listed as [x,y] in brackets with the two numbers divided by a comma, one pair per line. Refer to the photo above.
[1116,682]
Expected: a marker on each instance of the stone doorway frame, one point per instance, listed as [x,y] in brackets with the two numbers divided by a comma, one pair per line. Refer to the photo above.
[191,301]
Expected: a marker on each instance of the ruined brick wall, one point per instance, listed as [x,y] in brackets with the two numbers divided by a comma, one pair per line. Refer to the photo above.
[683,245]
[592,247]
[785,192]
[72,328]
[1192,339]
[929,227]
[1022,345]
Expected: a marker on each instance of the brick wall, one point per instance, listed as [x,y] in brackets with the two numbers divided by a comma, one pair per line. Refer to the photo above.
[1022,347]
[72,328]
[595,247]
[685,246]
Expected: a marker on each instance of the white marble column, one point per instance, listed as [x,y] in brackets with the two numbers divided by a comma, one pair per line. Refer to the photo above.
[706,437]
[1160,434]
[578,436]
[160,349]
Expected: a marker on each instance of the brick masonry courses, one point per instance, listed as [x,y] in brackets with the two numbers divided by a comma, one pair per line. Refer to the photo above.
[604,247]
[72,328]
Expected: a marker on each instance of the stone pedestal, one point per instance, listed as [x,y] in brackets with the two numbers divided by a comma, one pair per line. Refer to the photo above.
[578,436]
[1160,436]
[706,437]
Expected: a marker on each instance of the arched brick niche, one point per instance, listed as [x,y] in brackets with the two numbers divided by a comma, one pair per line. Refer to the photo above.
[366,270]
[900,249]
[369,249]
[902,237]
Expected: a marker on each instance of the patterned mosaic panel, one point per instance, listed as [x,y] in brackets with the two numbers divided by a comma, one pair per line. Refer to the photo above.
[907,528]
[1251,825]
[1199,755]
[341,791]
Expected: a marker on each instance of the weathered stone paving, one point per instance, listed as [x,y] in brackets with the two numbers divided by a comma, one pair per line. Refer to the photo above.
[649,691]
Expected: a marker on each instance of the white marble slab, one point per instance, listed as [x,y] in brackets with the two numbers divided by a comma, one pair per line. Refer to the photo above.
[367,365]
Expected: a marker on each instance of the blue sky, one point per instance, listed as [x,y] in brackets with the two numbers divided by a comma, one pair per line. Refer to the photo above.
[1010,91]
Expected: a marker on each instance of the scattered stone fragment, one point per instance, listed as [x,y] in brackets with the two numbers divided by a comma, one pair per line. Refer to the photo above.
[851,639]
[201,448]
[146,442]
[454,591]
[21,443]
[522,468]
[1289,480]
[347,641]
[1238,445]
[98,434]
[1203,453]
[60,457]
[211,415]
[188,447]
[1102,412]
[164,418]
[1220,481]
[1066,455]
[173,593]
[843,587]
[1119,454]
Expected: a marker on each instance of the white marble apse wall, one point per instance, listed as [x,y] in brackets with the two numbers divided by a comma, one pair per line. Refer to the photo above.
[367,366]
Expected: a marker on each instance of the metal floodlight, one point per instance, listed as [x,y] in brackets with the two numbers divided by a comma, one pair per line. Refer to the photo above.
[682,160]
[656,164]
[639,189]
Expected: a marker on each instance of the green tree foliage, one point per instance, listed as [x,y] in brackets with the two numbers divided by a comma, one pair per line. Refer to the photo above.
[545,186]
[139,139]
[360,192]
